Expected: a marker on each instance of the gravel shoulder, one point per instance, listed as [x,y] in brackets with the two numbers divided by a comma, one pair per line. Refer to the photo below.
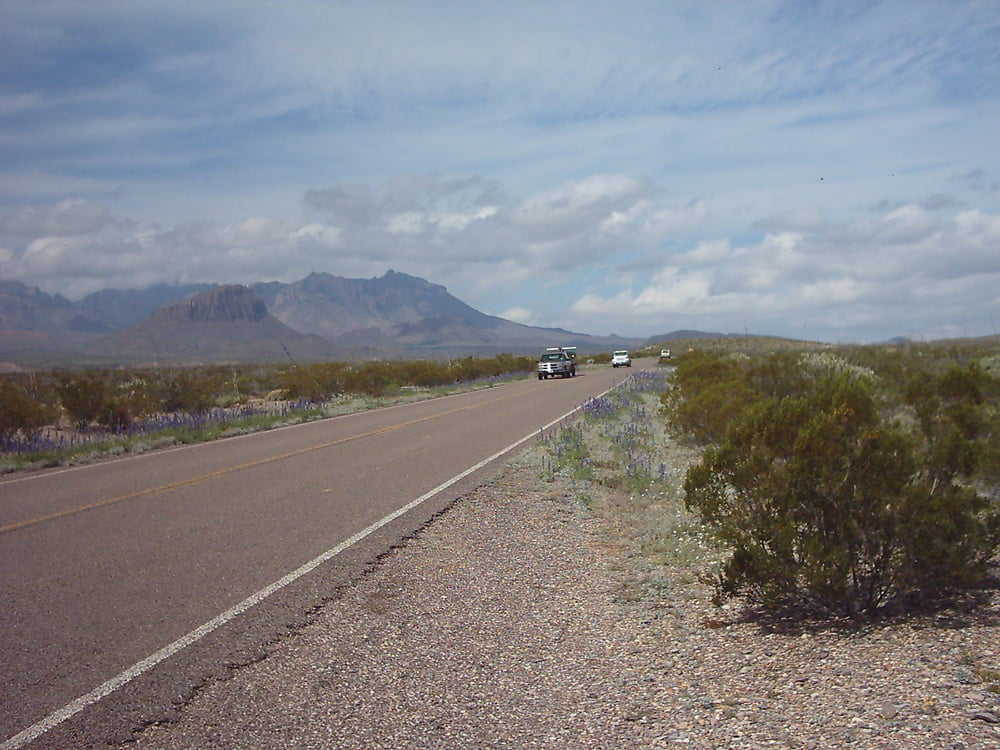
[514,621]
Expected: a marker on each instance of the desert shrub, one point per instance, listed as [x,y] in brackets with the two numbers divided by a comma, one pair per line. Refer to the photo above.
[21,414]
[708,391]
[473,368]
[711,389]
[116,415]
[369,378]
[186,389]
[84,396]
[989,460]
[782,373]
[94,397]
[827,506]
[423,373]
[116,398]
[949,412]
[314,382]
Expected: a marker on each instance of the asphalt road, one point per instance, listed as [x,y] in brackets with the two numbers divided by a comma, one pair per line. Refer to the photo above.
[126,584]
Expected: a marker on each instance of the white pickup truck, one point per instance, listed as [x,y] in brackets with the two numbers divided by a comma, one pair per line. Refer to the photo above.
[557,360]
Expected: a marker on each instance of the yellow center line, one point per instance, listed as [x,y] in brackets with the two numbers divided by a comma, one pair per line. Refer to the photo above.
[240,467]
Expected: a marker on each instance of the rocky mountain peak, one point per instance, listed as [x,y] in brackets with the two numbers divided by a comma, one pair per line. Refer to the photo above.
[229,303]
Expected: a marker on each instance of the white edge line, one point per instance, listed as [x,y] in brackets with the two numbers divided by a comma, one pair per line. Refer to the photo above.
[74,707]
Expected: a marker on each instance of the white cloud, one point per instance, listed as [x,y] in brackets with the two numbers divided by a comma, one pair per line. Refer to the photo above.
[826,292]
[316,235]
[415,222]
[667,221]
[456,221]
[594,304]
[575,207]
[66,218]
[800,278]
[794,220]
[409,222]
[518,315]
[57,256]
[907,224]
[675,291]
[979,230]
[706,251]
[254,232]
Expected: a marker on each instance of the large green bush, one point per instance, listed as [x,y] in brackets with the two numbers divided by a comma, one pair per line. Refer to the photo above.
[709,391]
[84,396]
[189,389]
[21,413]
[826,504]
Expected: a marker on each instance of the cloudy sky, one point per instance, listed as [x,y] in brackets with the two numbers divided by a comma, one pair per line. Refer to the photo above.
[820,170]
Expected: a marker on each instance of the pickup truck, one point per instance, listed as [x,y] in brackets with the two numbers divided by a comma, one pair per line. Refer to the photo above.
[559,361]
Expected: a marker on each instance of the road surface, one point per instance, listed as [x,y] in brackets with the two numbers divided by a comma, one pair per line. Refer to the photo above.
[128,583]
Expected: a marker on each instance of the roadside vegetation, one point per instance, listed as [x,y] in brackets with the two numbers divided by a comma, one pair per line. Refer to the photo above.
[61,416]
[615,459]
[854,482]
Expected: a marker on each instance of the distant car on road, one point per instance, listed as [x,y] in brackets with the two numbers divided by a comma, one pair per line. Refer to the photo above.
[621,359]
[664,355]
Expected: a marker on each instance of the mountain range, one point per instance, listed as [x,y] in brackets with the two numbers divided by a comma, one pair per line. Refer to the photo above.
[316,318]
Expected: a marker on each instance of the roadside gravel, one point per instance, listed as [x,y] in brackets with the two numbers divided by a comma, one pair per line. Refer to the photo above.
[512,621]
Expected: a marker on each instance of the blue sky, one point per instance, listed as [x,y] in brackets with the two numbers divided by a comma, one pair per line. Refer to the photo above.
[820,170]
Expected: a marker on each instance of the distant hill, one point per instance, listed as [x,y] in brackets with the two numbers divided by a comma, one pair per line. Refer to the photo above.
[36,327]
[224,323]
[685,334]
[333,306]
[28,309]
[121,308]
[684,340]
